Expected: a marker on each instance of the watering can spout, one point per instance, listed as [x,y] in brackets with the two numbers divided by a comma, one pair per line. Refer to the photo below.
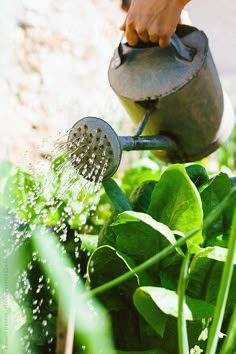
[158,143]
[93,142]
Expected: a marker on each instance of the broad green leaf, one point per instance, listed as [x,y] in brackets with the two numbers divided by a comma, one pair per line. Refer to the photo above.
[205,274]
[106,235]
[141,170]
[116,196]
[177,203]
[155,304]
[215,253]
[106,264]
[233,181]
[214,193]
[140,236]
[141,196]
[197,174]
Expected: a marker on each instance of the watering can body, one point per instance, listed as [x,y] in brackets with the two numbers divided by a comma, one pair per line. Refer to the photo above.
[181,86]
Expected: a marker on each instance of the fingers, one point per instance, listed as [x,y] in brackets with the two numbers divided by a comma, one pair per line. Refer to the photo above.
[153,20]
[153,37]
[132,37]
[122,27]
[134,34]
[164,41]
[142,34]
[153,34]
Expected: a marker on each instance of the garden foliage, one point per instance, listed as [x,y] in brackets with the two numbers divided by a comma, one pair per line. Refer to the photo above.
[151,242]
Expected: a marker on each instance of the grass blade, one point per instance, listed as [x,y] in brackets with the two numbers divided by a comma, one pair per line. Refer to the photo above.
[182,327]
[230,340]
[223,291]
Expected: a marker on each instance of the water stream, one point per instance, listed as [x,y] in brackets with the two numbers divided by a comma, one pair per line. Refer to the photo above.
[63,201]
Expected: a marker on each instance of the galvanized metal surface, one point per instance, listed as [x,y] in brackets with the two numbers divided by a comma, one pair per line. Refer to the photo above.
[186,97]
[95,149]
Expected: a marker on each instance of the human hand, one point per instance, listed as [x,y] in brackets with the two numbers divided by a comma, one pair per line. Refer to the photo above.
[152,20]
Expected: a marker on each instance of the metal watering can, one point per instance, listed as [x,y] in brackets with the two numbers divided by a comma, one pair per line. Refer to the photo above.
[173,94]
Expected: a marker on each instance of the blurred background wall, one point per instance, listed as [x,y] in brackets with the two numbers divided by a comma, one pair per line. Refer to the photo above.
[54,60]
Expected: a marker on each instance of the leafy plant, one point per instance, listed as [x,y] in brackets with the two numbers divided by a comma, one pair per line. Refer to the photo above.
[148,301]
[160,265]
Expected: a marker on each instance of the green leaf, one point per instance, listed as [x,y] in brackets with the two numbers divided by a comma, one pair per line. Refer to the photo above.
[106,264]
[197,174]
[141,196]
[155,304]
[205,274]
[141,170]
[116,196]
[233,181]
[211,196]
[106,235]
[140,236]
[176,202]
[22,193]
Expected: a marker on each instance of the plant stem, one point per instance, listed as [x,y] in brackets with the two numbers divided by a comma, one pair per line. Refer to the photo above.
[223,291]
[230,339]
[182,327]
[66,326]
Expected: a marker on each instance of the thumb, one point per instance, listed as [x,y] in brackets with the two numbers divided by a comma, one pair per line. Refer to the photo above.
[123,26]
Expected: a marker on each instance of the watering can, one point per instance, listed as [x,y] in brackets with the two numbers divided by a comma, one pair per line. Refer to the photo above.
[173,95]
[181,86]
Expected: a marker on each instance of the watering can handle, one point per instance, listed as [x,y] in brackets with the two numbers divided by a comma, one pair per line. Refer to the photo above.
[181,50]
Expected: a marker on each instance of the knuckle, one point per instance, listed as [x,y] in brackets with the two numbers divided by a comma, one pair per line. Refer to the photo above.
[163,32]
[153,35]
[130,22]
[140,30]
